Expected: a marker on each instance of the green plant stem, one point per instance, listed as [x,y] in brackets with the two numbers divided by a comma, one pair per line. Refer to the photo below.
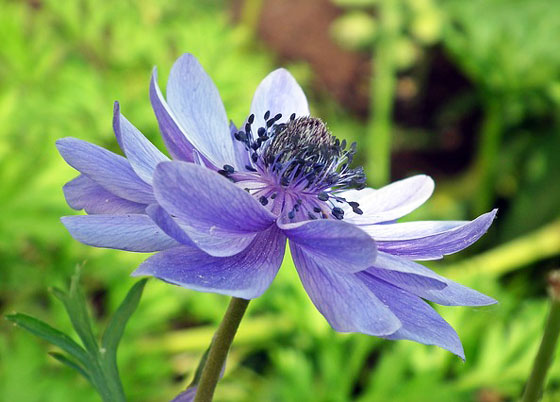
[543,360]
[382,95]
[488,151]
[219,349]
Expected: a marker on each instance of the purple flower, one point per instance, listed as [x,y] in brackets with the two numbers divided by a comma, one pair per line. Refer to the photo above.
[220,212]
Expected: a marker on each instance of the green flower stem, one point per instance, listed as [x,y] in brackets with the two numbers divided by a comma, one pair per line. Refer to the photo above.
[219,349]
[545,355]
[382,94]
[489,148]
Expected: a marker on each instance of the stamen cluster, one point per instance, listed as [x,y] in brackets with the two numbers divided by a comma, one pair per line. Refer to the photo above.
[300,157]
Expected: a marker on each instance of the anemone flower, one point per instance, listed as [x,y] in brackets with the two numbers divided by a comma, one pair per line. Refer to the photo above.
[219,213]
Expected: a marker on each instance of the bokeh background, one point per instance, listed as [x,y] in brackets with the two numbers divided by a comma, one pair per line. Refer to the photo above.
[466,91]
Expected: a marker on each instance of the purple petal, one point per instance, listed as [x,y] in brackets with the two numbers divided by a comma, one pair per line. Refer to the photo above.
[332,244]
[279,92]
[407,281]
[169,226]
[123,232]
[196,104]
[109,170]
[141,153]
[390,202]
[246,275]
[393,263]
[218,246]
[218,216]
[189,394]
[435,246]
[343,299]
[174,138]
[404,274]
[84,193]
[186,396]
[420,323]
[218,243]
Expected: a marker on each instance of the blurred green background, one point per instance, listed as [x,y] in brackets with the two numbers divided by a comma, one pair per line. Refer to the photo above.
[466,91]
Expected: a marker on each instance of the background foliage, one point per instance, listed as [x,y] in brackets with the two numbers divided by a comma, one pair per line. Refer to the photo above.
[63,63]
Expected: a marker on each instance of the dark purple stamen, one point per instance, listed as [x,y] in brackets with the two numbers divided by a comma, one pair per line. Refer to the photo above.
[338,213]
[301,154]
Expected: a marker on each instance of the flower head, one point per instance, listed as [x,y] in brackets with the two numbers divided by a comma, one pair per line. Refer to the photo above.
[220,211]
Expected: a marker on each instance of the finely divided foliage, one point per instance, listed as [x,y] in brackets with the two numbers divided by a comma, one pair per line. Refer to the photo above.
[219,212]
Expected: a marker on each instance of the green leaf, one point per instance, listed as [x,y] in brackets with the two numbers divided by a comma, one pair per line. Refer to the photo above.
[72,364]
[75,303]
[199,368]
[115,328]
[113,334]
[50,334]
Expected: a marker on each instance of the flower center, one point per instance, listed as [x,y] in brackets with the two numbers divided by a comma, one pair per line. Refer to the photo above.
[299,166]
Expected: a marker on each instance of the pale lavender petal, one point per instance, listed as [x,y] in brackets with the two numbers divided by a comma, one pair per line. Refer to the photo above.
[410,230]
[392,201]
[435,246]
[278,92]
[109,170]
[343,299]
[420,323]
[124,232]
[174,138]
[332,244]
[196,104]
[84,193]
[243,158]
[232,128]
[140,152]
[400,271]
[246,275]
[218,216]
